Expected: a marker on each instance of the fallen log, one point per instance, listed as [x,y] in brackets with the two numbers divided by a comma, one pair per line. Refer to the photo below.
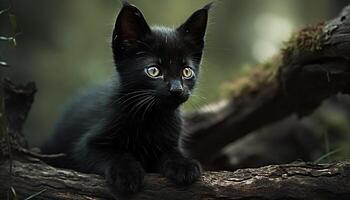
[289,181]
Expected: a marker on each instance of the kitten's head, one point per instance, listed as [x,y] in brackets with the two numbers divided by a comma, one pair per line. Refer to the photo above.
[162,62]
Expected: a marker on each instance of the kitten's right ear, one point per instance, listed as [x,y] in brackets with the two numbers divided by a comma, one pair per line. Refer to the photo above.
[195,26]
[130,24]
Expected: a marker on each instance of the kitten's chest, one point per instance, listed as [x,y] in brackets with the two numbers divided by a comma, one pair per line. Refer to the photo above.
[148,140]
[150,134]
[153,127]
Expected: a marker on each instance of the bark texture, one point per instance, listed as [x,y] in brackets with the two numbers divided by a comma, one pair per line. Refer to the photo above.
[290,181]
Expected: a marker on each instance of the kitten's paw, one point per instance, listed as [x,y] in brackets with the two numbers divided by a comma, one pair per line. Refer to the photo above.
[125,179]
[182,171]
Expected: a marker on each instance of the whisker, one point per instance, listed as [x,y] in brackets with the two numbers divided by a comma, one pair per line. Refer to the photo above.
[149,106]
[137,107]
[132,95]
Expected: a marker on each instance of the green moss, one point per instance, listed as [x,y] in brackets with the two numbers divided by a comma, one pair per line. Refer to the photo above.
[305,40]
[260,76]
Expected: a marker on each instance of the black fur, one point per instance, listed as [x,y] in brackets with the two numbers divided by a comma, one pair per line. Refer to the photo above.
[131,125]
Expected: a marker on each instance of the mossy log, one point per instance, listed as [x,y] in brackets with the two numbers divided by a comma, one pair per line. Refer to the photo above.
[313,66]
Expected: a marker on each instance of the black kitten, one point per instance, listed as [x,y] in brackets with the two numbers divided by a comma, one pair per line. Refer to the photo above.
[131,125]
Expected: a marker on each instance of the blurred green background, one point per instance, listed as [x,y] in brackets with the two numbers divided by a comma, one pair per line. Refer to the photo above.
[65,44]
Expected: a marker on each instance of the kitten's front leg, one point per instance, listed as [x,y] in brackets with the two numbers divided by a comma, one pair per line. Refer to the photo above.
[124,175]
[180,170]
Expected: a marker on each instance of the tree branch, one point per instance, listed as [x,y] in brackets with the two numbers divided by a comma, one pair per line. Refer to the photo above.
[313,66]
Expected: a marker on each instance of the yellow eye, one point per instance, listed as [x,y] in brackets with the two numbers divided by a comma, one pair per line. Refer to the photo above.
[152,72]
[187,73]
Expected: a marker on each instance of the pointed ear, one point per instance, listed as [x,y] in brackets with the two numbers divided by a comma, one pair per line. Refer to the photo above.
[196,24]
[130,24]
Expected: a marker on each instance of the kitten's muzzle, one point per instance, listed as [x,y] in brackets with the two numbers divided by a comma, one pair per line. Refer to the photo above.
[175,88]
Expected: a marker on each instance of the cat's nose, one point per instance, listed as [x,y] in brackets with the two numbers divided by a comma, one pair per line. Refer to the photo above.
[176,88]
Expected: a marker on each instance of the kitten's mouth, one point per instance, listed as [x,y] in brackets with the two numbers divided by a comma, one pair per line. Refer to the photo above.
[181,100]
[175,101]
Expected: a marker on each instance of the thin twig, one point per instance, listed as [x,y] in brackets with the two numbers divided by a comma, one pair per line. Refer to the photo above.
[327,155]
[5,10]
[35,195]
[38,155]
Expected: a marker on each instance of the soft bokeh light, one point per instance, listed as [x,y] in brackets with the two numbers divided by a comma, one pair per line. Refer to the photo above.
[271,31]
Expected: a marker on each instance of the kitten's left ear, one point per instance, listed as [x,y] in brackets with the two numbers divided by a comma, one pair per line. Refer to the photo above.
[196,24]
